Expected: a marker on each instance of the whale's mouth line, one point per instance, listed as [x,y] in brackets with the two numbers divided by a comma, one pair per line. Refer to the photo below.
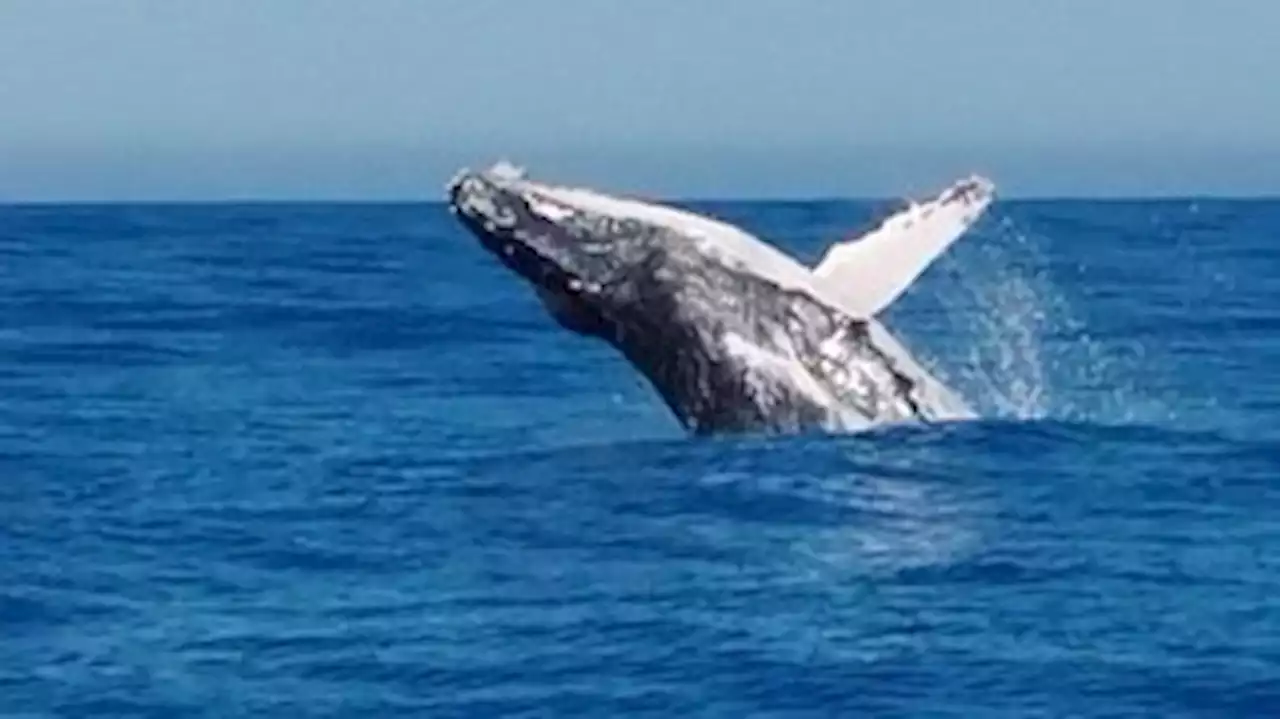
[519,225]
[525,259]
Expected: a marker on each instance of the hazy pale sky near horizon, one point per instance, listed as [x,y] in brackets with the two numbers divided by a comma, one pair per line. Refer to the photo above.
[143,99]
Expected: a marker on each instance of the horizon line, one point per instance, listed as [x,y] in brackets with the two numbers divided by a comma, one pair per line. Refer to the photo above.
[1261,196]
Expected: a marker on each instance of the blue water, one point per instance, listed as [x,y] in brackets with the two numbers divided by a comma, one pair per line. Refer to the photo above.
[331,460]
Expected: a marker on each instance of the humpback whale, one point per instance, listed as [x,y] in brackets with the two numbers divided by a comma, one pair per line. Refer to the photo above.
[734,334]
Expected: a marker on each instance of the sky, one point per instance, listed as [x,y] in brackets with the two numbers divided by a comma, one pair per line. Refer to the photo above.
[385,99]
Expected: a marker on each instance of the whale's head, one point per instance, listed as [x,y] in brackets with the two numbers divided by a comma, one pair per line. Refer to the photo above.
[575,257]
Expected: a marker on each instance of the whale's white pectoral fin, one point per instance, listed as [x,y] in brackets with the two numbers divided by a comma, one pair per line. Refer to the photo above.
[869,272]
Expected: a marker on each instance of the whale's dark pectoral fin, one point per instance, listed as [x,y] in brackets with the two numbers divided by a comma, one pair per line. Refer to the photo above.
[869,272]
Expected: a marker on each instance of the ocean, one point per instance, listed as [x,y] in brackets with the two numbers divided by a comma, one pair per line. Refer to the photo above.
[330,460]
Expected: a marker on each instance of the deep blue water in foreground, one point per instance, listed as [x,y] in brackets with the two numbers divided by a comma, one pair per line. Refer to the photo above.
[331,460]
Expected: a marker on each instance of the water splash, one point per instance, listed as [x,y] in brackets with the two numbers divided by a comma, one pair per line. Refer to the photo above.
[1018,349]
